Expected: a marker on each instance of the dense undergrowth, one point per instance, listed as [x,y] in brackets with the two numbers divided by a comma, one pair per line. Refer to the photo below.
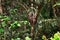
[15,25]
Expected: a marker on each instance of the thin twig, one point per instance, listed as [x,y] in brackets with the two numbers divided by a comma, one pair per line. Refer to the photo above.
[23,5]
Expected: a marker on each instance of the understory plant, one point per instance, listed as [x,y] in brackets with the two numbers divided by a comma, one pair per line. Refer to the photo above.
[56,36]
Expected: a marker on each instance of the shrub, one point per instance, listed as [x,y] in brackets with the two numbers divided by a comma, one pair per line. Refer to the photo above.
[56,36]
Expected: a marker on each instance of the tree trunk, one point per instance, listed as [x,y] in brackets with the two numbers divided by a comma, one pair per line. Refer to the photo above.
[1,11]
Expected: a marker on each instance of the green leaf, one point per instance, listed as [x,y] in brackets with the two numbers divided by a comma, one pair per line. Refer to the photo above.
[12,39]
[56,36]
[57,4]
[1,30]
[25,22]
[0,16]
[18,25]
[12,26]
[15,22]
[17,39]
[27,38]
[6,18]
[3,24]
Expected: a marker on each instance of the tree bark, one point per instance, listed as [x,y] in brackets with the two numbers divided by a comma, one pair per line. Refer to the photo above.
[1,11]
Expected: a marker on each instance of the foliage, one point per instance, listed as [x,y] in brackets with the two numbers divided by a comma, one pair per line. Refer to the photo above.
[44,37]
[15,24]
[27,38]
[57,4]
[56,36]
[1,30]
[16,39]
[14,21]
